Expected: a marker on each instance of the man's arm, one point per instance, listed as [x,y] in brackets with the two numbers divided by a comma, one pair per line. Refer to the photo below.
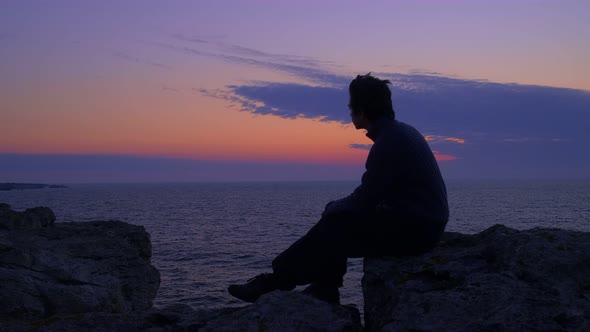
[379,173]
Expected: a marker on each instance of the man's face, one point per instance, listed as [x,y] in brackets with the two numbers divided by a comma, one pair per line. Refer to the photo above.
[358,118]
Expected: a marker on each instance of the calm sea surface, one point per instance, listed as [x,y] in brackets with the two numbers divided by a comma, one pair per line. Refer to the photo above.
[207,236]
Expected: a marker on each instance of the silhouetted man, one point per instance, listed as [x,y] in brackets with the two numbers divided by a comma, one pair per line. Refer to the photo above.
[400,207]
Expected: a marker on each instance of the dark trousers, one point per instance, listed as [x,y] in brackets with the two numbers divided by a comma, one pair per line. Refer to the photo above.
[320,256]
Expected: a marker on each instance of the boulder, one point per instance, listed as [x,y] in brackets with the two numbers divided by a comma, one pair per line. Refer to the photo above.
[72,268]
[97,276]
[29,219]
[501,279]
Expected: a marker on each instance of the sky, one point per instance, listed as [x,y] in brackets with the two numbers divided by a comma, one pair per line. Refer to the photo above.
[136,91]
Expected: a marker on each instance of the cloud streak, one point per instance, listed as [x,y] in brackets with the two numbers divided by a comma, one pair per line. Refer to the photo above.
[306,68]
[434,139]
[446,110]
[247,52]
[439,106]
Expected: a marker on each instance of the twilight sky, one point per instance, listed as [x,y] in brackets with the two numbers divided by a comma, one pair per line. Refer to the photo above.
[119,91]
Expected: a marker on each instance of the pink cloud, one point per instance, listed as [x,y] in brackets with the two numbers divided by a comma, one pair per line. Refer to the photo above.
[443,157]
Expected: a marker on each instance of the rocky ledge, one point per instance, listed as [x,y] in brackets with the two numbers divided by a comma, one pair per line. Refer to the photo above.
[97,276]
[498,280]
[49,269]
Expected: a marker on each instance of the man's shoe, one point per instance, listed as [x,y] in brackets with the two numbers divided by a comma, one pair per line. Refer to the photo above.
[255,287]
[328,294]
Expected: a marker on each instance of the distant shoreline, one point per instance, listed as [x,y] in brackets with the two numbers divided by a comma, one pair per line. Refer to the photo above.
[23,186]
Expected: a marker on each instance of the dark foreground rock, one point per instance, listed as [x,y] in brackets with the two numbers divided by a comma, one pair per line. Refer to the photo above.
[498,280]
[97,276]
[277,311]
[29,219]
[51,269]
[288,311]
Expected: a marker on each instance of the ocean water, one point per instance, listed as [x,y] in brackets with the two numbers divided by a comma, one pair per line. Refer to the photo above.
[206,236]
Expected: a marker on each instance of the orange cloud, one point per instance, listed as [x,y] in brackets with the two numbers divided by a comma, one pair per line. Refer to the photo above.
[439,138]
[443,157]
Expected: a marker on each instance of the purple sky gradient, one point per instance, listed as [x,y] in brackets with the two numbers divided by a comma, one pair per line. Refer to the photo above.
[155,79]
[536,42]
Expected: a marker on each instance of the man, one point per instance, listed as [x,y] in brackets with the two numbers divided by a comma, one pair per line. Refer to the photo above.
[400,207]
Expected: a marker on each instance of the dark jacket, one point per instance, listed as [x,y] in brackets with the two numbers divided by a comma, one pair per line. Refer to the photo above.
[402,179]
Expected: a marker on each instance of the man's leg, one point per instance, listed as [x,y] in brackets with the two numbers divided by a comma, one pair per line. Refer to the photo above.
[319,257]
[321,254]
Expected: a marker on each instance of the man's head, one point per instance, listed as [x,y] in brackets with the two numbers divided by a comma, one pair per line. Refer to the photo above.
[370,99]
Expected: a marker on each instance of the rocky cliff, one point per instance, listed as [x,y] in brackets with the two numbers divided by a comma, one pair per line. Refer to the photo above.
[49,269]
[498,280]
[97,276]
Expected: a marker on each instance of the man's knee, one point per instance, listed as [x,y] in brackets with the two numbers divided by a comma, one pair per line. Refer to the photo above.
[343,220]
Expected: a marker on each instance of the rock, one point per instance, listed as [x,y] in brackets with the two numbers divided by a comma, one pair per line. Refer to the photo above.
[32,218]
[73,268]
[38,217]
[97,276]
[278,311]
[177,317]
[288,311]
[498,280]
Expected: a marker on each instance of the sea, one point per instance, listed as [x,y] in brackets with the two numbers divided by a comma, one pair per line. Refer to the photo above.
[206,236]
